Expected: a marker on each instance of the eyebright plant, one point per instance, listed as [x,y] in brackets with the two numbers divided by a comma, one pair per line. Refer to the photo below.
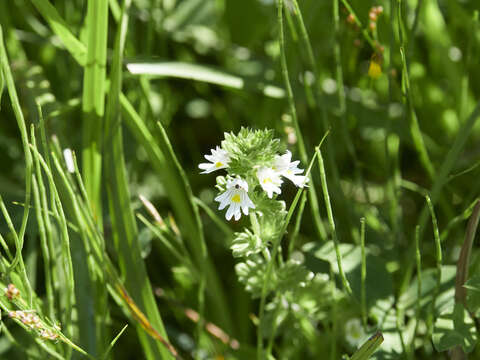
[255,170]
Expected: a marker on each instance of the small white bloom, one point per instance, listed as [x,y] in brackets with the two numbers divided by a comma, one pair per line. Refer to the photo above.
[219,159]
[236,196]
[354,332]
[67,154]
[285,167]
[269,180]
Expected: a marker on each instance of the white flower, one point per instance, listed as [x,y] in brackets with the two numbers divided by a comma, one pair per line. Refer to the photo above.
[236,196]
[67,154]
[354,332]
[285,167]
[269,180]
[218,160]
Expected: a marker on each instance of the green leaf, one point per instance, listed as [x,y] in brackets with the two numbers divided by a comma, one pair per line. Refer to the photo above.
[203,73]
[368,348]
[409,298]
[378,280]
[251,273]
[473,294]
[454,327]
[126,237]
[246,244]
[60,28]
[290,276]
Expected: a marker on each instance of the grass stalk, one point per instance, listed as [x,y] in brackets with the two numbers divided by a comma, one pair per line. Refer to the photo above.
[418,258]
[93,101]
[123,220]
[12,92]
[364,31]
[40,210]
[331,221]
[67,265]
[363,275]
[438,262]
[271,263]
[291,104]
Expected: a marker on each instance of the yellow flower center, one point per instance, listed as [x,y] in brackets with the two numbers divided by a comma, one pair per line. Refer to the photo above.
[218,164]
[267,180]
[236,198]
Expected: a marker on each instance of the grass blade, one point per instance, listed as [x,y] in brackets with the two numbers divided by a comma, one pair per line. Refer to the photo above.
[291,104]
[205,74]
[125,231]
[93,101]
[76,48]
[368,348]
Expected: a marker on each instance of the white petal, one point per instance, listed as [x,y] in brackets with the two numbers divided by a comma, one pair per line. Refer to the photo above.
[222,196]
[299,180]
[210,158]
[237,215]
[204,166]
[230,212]
[237,211]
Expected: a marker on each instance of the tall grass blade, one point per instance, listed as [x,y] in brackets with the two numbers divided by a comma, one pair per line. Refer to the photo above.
[205,74]
[125,231]
[368,348]
[93,100]
[76,48]
[293,111]
[12,92]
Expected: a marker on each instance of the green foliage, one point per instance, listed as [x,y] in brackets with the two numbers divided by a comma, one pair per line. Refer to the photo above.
[251,273]
[246,243]
[379,95]
[473,294]
[455,327]
[250,150]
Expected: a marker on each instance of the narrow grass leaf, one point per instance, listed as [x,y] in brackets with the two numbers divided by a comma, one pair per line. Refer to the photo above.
[368,348]
[205,74]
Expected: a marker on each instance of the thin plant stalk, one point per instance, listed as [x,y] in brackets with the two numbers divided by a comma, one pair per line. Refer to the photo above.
[270,264]
[291,104]
[123,220]
[12,92]
[363,295]
[418,257]
[438,262]
[93,103]
[331,221]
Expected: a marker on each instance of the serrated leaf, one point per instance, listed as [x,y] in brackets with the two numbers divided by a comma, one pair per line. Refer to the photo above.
[473,294]
[251,273]
[290,276]
[378,281]
[246,244]
[454,327]
[408,300]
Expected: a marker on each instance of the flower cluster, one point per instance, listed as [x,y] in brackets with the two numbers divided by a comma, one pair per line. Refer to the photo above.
[11,292]
[373,15]
[29,318]
[33,322]
[251,159]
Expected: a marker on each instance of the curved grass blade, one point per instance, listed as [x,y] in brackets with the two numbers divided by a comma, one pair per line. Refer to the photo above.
[368,348]
[203,73]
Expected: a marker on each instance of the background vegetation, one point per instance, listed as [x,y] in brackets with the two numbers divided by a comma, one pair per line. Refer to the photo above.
[396,89]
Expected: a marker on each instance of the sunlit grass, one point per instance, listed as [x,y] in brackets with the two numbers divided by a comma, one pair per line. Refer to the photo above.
[126,254]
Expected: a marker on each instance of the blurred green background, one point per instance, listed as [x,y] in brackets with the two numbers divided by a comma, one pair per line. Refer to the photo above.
[369,175]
